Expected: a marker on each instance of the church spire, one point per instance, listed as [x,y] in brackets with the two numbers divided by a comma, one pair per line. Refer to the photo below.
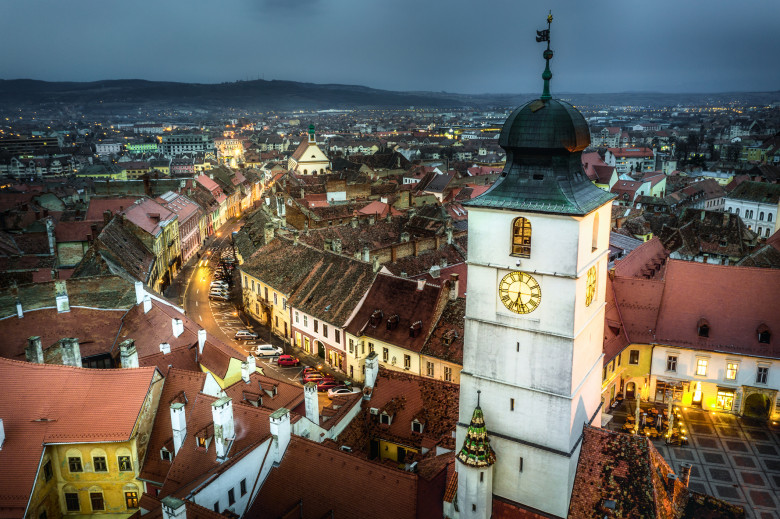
[476,451]
[544,35]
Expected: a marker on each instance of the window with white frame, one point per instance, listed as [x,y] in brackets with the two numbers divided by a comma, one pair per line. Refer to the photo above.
[762,374]
[731,370]
[701,367]
[447,374]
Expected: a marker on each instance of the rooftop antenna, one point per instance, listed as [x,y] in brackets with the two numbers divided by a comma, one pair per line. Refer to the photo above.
[544,35]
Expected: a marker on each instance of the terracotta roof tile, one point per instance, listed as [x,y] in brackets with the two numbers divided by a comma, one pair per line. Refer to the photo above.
[297,485]
[102,406]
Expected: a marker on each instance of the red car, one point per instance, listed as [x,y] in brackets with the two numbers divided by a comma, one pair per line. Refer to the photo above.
[317,377]
[287,360]
[326,384]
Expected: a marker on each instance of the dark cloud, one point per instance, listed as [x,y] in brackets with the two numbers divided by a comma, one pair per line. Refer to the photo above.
[457,46]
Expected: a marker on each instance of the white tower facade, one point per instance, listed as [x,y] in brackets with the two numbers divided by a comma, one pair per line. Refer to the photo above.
[537,266]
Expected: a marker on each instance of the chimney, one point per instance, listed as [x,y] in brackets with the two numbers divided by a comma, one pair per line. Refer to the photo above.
[435,271]
[372,369]
[50,233]
[107,215]
[201,341]
[337,245]
[404,237]
[19,311]
[34,351]
[268,232]
[312,402]
[420,284]
[165,348]
[443,263]
[454,286]
[147,303]
[375,263]
[179,426]
[173,508]
[178,326]
[685,473]
[245,372]
[366,256]
[449,236]
[128,354]
[280,430]
[139,292]
[70,351]
[224,433]
[251,364]
[295,237]
[671,479]
[354,222]
[63,304]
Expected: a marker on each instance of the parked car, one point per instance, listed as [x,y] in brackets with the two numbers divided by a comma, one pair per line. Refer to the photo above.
[266,350]
[219,297]
[325,385]
[309,369]
[220,284]
[342,390]
[287,360]
[317,377]
[243,335]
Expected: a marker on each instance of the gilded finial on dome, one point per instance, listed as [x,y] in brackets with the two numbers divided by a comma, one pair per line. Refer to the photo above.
[544,35]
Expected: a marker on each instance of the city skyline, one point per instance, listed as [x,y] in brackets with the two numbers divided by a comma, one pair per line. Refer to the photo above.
[612,47]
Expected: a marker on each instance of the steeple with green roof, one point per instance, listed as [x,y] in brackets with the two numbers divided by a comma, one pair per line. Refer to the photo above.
[476,451]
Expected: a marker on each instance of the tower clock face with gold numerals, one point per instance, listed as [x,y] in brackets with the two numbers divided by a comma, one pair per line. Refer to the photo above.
[520,292]
[590,286]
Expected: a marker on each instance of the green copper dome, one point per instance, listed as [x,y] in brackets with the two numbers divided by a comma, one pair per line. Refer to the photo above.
[545,124]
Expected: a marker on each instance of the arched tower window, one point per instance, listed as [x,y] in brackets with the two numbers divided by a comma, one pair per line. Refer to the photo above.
[595,241]
[521,237]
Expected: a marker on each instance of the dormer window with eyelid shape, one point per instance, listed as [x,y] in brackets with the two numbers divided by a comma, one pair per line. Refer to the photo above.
[392,322]
[415,329]
[703,328]
[376,316]
[764,334]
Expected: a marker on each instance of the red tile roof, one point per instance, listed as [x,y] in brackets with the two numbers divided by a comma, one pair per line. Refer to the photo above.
[180,386]
[275,394]
[668,311]
[646,261]
[304,484]
[149,215]
[631,152]
[95,329]
[392,296]
[97,206]
[192,466]
[102,406]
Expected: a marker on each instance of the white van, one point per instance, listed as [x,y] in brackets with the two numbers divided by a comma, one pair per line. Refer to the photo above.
[266,350]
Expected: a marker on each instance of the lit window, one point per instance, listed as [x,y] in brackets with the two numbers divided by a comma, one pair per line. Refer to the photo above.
[521,238]
[633,357]
[385,354]
[725,400]
[731,370]
[701,367]
[131,499]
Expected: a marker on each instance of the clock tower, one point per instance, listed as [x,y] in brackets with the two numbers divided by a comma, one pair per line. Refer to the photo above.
[537,263]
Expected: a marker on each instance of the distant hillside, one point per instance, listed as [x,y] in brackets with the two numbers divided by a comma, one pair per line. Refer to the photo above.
[121,95]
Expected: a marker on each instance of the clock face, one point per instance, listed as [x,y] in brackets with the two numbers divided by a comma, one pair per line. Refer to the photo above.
[520,292]
[590,286]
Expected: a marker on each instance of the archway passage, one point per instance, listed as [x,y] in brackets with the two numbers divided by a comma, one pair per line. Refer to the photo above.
[630,391]
[757,406]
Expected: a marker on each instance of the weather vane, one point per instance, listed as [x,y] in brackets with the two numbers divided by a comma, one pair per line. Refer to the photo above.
[544,35]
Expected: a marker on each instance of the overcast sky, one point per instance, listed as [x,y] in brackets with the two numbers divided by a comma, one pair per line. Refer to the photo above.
[465,46]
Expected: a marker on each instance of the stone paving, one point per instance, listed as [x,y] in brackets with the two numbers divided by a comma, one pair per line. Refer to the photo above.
[734,459]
